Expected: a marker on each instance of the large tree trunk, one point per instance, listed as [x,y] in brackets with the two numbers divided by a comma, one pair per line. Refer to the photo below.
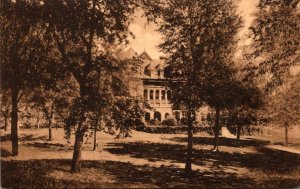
[217,130]
[50,129]
[95,138]
[238,133]
[96,128]
[189,153]
[76,165]
[14,122]
[286,134]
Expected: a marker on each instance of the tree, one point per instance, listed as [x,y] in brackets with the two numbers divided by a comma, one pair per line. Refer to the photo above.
[122,111]
[284,106]
[21,53]
[52,98]
[275,44]
[275,41]
[222,92]
[194,33]
[221,86]
[246,110]
[82,32]
[126,113]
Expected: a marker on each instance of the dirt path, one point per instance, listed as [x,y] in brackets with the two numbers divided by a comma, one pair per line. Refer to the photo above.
[284,148]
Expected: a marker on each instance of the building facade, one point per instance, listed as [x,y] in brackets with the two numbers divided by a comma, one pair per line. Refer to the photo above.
[148,81]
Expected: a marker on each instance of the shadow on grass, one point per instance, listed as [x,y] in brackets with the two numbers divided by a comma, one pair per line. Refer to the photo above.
[27,138]
[5,138]
[231,142]
[23,138]
[49,146]
[5,153]
[267,160]
[33,174]
[19,174]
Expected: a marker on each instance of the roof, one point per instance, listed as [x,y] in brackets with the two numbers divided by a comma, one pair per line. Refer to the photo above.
[145,56]
[154,64]
[127,54]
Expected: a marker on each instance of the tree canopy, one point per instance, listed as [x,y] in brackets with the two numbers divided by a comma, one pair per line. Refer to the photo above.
[199,43]
[275,41]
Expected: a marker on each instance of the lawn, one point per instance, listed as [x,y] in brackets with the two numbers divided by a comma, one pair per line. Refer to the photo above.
[146,161]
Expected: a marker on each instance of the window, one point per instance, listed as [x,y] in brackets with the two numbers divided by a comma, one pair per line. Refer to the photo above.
[151,94]
[166,115]
[147,116]
[147,70]
[157,116]
[169,94]
[163,95]
[146,94]
[157,94]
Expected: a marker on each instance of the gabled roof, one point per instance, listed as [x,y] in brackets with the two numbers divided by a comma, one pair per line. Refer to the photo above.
[127,54]
[145,56]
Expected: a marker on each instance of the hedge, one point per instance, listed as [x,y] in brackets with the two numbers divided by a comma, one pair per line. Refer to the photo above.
[173,129]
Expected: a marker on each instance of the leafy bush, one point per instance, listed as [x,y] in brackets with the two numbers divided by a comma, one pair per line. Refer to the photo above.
[174,129]
[169,122]
[155,122]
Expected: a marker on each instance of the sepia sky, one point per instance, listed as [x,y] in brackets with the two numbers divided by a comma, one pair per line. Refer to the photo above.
[146,38]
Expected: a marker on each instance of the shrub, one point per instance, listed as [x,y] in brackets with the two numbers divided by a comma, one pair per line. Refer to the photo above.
[169,122]
[174,129]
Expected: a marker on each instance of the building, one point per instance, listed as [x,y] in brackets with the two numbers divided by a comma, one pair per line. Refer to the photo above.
[148,80]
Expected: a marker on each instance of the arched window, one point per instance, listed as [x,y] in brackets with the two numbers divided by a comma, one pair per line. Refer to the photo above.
[157,94]
[151,94]
[163,95]
[146,94]
[157,116]
[167,115]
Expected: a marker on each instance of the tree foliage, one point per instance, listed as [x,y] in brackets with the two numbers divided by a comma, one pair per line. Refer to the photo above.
[246,112]
[5,108]
[275,41]
[22,53]
[284,106]
[83,31]
[199,41]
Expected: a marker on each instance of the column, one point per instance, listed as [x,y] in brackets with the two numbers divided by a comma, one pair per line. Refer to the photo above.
[166,95]
[154,100]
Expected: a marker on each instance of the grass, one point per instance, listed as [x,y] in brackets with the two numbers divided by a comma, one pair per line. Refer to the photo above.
[147,161]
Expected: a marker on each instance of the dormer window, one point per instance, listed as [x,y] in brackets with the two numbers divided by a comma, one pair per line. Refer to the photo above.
[147,71]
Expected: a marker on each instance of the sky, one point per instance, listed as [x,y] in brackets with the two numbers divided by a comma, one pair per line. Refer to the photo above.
[146,38]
